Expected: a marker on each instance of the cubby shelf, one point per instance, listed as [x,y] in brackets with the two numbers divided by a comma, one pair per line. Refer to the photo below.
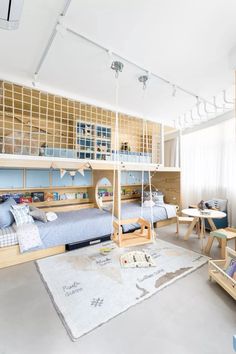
[61,202]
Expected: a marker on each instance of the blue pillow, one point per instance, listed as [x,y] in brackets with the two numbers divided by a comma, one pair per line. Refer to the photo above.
[6,217]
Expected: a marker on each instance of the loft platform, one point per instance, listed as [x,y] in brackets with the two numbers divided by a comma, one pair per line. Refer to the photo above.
[25,161]
[136,238]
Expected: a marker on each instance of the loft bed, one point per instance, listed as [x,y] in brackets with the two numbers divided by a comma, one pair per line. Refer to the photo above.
[47,133]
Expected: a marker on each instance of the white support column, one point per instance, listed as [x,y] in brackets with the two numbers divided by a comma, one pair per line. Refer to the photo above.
[179,147]
[162,145]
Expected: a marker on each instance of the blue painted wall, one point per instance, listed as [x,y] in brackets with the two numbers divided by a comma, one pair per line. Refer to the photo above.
[11,178]
[133,178]
[37,178]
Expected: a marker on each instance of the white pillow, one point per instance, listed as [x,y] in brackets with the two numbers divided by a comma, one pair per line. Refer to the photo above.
[28,237]
[220,204]
[21,214]
[148,203]
[159,199]
[51,216]
[156,196]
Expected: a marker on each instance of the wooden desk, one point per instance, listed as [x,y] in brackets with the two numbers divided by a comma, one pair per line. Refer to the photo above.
[197,214]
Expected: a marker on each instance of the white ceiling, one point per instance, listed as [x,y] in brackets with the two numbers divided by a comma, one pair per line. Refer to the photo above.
[186,41]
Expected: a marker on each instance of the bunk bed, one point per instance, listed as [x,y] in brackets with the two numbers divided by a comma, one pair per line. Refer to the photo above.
[57,133]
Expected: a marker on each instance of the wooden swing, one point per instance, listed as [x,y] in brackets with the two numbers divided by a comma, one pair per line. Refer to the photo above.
[145,234]
[135,238]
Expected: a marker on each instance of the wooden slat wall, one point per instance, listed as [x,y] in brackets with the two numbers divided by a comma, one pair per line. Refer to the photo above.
[169,184]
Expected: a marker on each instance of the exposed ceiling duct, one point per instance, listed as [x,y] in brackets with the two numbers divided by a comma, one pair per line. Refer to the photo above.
[10,13]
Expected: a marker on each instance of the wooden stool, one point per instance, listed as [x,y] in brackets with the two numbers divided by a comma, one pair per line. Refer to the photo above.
[182,220]
[223,236]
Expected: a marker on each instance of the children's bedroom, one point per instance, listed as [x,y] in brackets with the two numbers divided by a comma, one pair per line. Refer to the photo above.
[117,177]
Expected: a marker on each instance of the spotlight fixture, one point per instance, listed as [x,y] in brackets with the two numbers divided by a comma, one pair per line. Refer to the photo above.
[117,66]
[143,79]
[10,13]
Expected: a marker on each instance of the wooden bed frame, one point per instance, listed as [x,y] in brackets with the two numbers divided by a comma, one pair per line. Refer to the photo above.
[10,256]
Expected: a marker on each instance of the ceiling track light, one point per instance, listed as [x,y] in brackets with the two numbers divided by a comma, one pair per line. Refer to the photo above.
[225,98]
[205,108]
[216,106]
[198,108]
[117,66]
[192,117]
[143,79]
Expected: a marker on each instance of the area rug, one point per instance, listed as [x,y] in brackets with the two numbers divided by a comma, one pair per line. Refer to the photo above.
[88,288]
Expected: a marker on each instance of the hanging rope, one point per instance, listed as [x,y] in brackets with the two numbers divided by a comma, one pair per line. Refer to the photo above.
[142,192]
[118,67]
[150,184]
[143,79]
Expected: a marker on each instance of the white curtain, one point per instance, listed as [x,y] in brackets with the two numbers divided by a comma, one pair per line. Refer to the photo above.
[209,166]
[170,155]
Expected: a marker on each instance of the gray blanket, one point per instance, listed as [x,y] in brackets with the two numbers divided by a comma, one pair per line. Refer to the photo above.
[75,226]
[85,224]
[134,209]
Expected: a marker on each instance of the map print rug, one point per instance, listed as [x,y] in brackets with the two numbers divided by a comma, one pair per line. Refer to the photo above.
[88,288]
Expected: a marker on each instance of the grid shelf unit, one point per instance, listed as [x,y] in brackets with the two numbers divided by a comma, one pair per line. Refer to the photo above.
[38,123]
[93,141]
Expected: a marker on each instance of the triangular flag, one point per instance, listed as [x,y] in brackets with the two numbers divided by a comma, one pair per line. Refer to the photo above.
[81,171]
[62,172]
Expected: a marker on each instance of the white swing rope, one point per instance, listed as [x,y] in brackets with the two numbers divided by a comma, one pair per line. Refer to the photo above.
[150,184]
[145,132]
[116,146]
[142,192]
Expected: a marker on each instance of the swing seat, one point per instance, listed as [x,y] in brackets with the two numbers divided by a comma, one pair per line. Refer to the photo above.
[138,237]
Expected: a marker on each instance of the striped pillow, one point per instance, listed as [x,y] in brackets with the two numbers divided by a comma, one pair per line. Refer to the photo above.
[21,214]
[8,237]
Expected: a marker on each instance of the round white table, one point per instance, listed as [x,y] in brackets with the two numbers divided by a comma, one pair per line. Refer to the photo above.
[202,215]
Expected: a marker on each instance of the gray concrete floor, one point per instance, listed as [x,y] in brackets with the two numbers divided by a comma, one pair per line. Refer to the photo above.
[192,316]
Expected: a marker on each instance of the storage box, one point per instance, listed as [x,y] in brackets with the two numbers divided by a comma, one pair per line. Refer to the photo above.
[37,196]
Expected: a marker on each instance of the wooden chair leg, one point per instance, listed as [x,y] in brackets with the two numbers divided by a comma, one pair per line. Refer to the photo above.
[223,247]
[190,229]
[209,244]
[177,227]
